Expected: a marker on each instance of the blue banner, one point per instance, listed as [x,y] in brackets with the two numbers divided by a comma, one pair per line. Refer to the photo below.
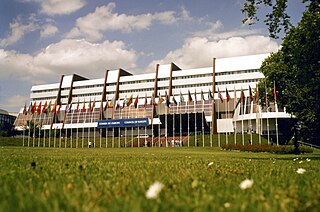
[135,122]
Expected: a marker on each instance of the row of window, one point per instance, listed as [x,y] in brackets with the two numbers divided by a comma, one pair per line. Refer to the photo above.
[237,72]
[237,82]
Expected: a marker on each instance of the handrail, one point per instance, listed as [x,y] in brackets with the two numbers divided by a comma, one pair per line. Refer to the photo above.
[308,144]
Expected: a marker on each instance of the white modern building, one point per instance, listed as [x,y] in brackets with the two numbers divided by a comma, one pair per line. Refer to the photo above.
[123,104]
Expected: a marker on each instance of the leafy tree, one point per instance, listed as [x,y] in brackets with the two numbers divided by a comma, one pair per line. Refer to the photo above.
[296,66]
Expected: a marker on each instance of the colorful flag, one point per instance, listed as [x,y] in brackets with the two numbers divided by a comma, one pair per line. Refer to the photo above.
[257,94]
[174,100]
[274,91]
[89,107]
[124,103]
[195,95]
[167,100]
[227,95]
[54,108]
[111,103]
[242,96]
[93,105]
[44,107]
[33,109]
[220,95]
[83,106]
[181,98]
[136,102]
[234,93]
[129,102]
[70,107]
[160,100]
[59,109]
[77,109]
[250,94]
[118,104]
[107,104]
[210,96]
[48,108]
[145,101]
[39,108]
[29,108]
[189,97]
[202,95]
[152,100]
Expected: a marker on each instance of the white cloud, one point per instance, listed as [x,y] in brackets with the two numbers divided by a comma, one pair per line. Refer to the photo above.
[105,19]
[18,30]
[15,100]
[199,51]
[67,57]
[59,7]
[48,30]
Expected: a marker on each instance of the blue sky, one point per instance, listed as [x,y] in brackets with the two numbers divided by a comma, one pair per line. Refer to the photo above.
[42,39]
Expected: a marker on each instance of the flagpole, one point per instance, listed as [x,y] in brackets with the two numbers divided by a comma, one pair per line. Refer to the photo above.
[180,122]
[202,121]
[188,125]
[227,141]
[119,130]
[219,141]
[173,123]
[152,112]
[243,103]
[195,119]
[235,122]
[251,110]
[40,124]
[277,133]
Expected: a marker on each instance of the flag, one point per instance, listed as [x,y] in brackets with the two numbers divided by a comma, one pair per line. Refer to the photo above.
[25,109]
[60,105]
[145,101]
[234,93]
[70,107]
[44,107]
[167,100]
[39,108]
[202,95]
[33,109]
[124,103]
[242,96]
[152,100]
[174,100]
[129,100]
[250,94]
[181,98]
[227,95]
[118,104]
[93,105]
[136,102]
[195,95]
[83,107]
[54,108]
[29,108]
[107,104]
[220,95]
[274,91]
[160,100]
[189,97]
[257,94]
[111,103]
[89,107]
[77,109]
[210,97]
[48,108]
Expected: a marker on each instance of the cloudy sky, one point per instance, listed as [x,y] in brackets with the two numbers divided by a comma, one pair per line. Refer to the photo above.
[42,39]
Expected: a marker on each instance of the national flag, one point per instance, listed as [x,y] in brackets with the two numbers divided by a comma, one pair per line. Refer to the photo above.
[257,94]
[274,91]
[24,112]
[250,94]
[234,93]
[202,95]
[48,108]
[160,100]
[89,107]
[242,96]
[210,96]
[77,108]
[54,108]
[227,95]
[124,103]
[181,98]
[136,102]
[44,107]
[189,97]
[107,104]
[174,100]
[83,106]
[70,107]
[118,104]
[220,95]
[167,100]
[29,108]
[145,101]
[111,103]
[39,108]
[152,100]
[129,102]
[33,109]
[59,109]
[195,95]
[93,105]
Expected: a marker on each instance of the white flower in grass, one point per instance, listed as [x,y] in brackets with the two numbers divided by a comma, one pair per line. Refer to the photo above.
[301,171]
[308,160]
[227,205]
[210,164]
[300,161]
[246,184]
[154,190]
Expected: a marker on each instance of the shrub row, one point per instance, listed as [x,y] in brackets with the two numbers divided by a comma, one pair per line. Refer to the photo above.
[284,149]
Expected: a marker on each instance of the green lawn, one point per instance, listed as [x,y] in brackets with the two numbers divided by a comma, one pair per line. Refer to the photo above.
[116,179]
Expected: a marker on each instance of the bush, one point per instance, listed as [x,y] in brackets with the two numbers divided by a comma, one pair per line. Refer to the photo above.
[267,148]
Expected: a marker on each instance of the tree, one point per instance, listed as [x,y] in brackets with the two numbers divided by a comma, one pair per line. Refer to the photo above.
[296,66]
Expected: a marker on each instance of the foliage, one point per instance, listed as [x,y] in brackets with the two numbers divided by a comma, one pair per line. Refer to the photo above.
[267,148]
[6,129]
[51,179]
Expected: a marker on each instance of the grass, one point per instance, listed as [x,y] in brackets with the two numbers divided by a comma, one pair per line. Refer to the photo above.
[116,179]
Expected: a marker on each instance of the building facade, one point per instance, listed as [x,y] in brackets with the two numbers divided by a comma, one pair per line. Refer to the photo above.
[169,101]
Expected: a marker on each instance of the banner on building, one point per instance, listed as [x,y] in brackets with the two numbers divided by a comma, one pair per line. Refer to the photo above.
[134,122]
